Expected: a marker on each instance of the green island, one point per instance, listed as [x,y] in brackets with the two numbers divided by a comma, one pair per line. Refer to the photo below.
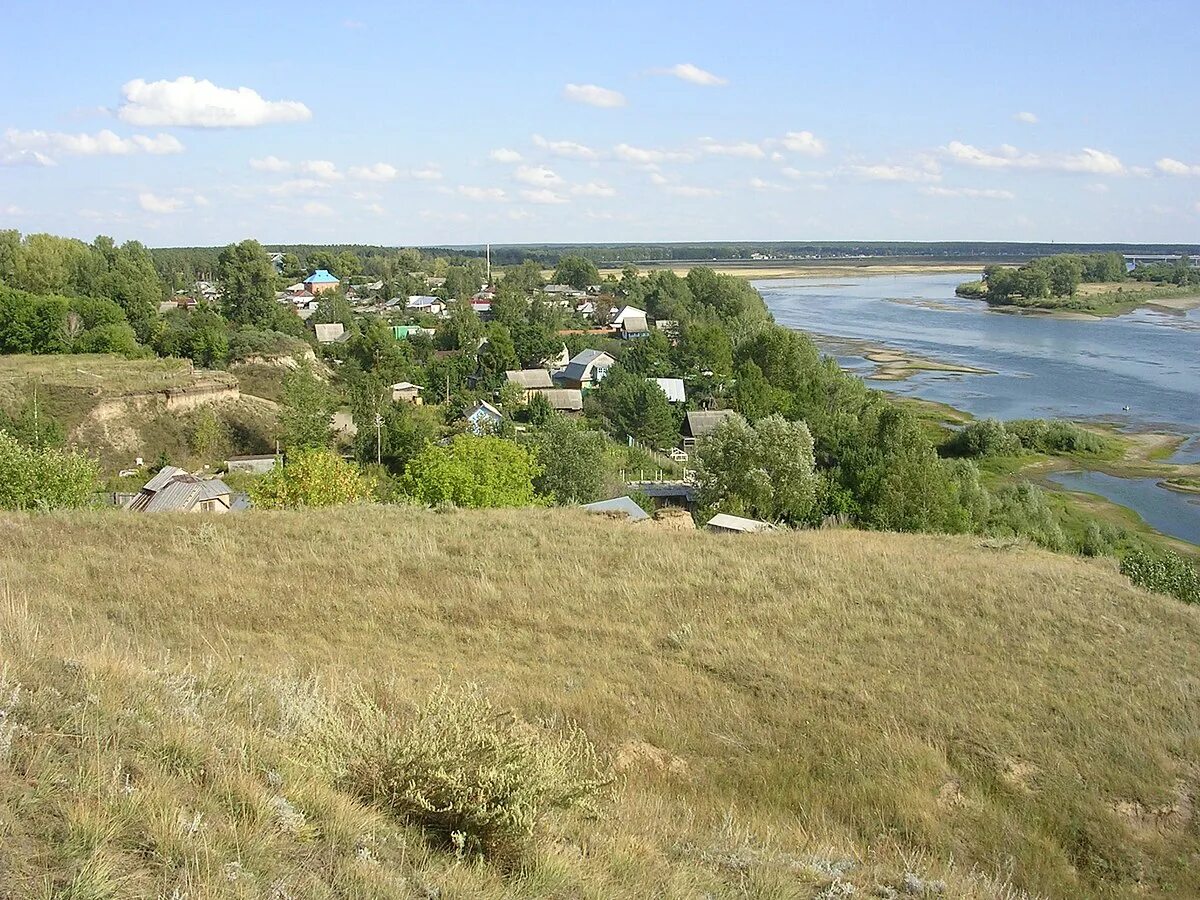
[1091,283]
[411,662]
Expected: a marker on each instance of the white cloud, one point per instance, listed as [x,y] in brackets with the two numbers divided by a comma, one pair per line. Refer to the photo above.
[43,147]
[375,208]
[270,164]
[200,200]
[694,74]
[504,155]
[1027,117]
[566,149]
[1197,207]
[594,95]
[379,171]
[543,196]
[1097,187]
[1169,166]
[321,168]
[11,210]
[804,142]
[538,176]
[156,204]
[1095,162]
[744,149]
[972,193]
[759,184]
[480,193]
[299,186]
[894,173]
[429,173]
[688,190]
[312,208]
[187,101]
[593,189]
[648,156]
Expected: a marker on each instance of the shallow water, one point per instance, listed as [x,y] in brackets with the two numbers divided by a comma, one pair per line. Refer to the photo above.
[1171,512]
[1049,367]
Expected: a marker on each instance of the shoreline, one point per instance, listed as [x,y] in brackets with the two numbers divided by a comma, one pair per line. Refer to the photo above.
[810,270]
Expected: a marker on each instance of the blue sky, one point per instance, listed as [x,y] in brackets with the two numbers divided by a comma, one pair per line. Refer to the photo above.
[459,123]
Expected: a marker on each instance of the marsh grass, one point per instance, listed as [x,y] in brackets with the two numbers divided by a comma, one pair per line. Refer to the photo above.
[842,708]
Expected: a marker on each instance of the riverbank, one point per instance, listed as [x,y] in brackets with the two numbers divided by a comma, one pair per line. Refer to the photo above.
[890,363]
[1093,300]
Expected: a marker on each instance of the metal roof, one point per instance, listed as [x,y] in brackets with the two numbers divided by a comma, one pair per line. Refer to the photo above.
[634,324]
[321,276]
[162,478]
[624,505]
[328,333]
[726,522]
[673,388]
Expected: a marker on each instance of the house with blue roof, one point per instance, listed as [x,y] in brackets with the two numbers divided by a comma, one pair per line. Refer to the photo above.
[321,281]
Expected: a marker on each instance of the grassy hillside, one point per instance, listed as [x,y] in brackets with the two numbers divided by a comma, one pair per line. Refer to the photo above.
[115,408]
[788,713]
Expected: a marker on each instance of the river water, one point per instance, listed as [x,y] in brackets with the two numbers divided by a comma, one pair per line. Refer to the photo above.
[1045,367]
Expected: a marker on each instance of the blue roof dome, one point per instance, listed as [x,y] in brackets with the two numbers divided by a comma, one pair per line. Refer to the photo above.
[321,276]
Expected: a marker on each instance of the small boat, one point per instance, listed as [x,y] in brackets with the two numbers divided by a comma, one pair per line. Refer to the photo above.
[1125,408]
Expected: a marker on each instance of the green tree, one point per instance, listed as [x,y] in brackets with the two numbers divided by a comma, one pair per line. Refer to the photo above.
[478,472]
[633,407]
[310,477]
[247,281]
[577,271]
[764,471]
[44,479]
[571,458]
[306,410]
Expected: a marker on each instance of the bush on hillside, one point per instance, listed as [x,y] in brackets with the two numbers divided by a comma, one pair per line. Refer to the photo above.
[473,472]
[316,477]
[44,479]
[475,778]
[1164,573]
[1021,510]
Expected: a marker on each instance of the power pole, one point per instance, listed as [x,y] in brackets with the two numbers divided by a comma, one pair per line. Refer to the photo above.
[378,439]
[488,248]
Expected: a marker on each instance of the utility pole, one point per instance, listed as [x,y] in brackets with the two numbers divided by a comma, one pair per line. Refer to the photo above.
[488,248]
[378,439]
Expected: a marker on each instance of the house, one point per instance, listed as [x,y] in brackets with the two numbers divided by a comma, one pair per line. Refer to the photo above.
[563,400]
[321,281]
[174,490]
[633,327]
[407,392]
[330,333]
[700,423]
[404,332]
[673,388]
[482,308]
[425,304]
[529,379]
[259,464]
[295,290]
[669,327]
[276,261]
[484,418]
[586,368]
[618,506]
[625,312]
[723,523]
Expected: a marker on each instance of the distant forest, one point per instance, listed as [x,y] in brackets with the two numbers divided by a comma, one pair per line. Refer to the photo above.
[204,258]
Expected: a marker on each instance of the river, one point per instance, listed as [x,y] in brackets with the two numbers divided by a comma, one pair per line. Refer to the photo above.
[1140,370]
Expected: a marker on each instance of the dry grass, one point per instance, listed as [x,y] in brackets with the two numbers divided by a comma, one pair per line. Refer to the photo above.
[793,711]
[99,373]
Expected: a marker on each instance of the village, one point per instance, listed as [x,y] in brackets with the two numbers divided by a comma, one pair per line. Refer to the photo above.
[561,382]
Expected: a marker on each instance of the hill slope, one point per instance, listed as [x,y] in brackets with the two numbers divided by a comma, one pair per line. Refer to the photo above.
[790,712]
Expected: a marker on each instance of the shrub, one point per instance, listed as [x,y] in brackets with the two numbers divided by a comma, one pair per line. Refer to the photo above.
[473,777]
[1058,436]
[316,477]
[44,479]
[474,472]
[1164,573]
[987,437]
[1021,510]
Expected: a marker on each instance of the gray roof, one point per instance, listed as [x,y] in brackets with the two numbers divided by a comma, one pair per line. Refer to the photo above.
[634,324]
[564,399]
[673,388]
[177,492]
[529,378]
[577,368]
[624,505]
[700,422]
[328,333]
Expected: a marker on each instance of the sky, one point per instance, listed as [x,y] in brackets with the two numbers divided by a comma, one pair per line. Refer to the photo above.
[458,123]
